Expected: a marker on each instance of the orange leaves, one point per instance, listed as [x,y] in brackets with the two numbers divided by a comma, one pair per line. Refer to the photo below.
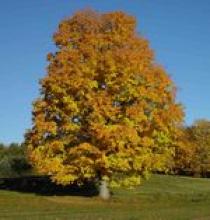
[57,146]
[43,126]
[84,149]
[101,101]
[193,147]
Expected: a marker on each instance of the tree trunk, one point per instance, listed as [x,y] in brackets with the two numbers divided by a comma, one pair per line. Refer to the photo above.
[104,192]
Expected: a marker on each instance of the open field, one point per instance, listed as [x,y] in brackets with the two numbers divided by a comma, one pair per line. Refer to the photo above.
[162,197]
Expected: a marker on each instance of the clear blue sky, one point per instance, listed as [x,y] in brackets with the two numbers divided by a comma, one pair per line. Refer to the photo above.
[179,32]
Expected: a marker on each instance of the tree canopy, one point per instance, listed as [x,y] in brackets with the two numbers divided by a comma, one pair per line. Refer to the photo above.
[106,109]
[193,152]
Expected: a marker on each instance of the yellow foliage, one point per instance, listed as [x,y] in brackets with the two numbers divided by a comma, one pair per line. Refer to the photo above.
[105,107]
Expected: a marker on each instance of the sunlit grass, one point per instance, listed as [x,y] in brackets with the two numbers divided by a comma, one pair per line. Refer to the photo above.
[162,197]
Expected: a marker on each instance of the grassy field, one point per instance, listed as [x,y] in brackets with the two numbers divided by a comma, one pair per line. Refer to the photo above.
[160,198]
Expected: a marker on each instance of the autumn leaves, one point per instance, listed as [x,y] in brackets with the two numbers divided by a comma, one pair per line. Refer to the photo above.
[106,109]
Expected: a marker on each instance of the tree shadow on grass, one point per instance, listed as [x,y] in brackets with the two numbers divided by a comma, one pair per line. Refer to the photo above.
[42,185]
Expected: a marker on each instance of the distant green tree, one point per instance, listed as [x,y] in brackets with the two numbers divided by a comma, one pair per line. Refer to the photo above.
[13,161]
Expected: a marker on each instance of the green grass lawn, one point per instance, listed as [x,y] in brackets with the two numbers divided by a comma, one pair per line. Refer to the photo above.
[161,197]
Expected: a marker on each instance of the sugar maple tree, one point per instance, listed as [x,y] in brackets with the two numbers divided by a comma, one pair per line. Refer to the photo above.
[106,110]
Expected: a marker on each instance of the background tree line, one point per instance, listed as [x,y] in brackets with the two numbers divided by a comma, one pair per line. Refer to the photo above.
[192,154]
[13,160]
